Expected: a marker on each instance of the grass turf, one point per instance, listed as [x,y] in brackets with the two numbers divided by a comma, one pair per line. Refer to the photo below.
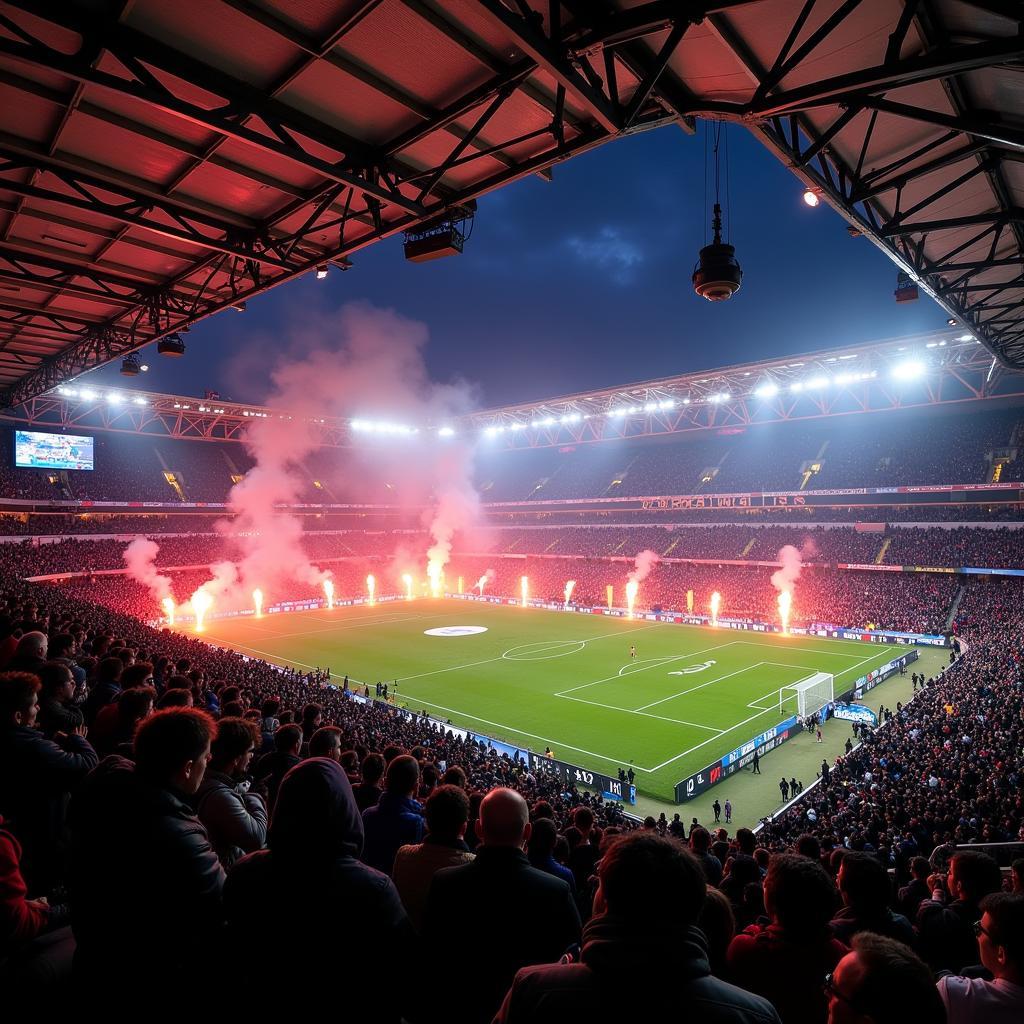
[540,679]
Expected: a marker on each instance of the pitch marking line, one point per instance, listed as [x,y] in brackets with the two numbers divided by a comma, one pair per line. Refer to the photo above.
[700,686]
[661,661]
[630,711]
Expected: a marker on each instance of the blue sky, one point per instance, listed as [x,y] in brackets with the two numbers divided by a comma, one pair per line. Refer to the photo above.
[584,282]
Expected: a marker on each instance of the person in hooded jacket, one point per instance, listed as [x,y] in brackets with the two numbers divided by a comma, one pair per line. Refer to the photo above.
[307,894]
[650,896]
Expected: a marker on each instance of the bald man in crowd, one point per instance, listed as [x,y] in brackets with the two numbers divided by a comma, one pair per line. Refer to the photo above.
[495,915]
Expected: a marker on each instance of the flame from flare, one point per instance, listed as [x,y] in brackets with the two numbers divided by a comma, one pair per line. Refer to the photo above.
[434,569]
[570,586]
[610,594]
[631,589]
[168,605]
[257,601]
[371,586]
[716,603]
[460,584]
[329,592]
[201,604]
[524,586]
[407,580]
[785,603]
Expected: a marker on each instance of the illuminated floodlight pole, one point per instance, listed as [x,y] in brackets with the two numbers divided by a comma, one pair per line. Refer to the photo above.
[524,586]
[168,606]
[570,586]
[201,604]
[716,603]
[329,592]
[785,604]
[407,580]
[257,602]
[371,586]
[610,594]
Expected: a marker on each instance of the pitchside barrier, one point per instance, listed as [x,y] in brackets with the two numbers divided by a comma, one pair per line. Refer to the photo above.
[765,742]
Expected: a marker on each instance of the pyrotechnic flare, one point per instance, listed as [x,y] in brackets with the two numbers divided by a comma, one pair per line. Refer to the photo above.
[201,602]
[716,603]
[631,588]
[329,592]
[689,601]
[785,603]
[524,586]
[570,586]
[257,602]
[407,580]
[168,603]
[434,569]
[609,592]
[460,584]
[371,586]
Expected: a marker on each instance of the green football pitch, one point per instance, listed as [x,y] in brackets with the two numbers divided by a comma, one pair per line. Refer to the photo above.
[537,678]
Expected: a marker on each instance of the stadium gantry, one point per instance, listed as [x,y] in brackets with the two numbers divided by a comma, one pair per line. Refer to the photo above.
[156,169]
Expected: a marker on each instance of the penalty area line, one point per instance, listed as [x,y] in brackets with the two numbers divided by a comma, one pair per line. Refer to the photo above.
[630,711]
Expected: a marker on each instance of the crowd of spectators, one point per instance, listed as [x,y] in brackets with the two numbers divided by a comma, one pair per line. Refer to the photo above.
[167,806]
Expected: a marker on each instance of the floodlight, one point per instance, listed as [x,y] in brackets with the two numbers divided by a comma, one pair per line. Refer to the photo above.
[768,390]
[87,395]
[321,271]
[909,370]
[130,366]
[238,307]
[811,197]
[172,345]
[446,432]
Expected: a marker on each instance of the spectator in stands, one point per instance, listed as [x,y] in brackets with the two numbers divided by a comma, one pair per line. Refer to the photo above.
[649,900]
[272,768]
[326,742]
[115,725]
[36,778]
[531,917]
[106,689]
[946,922]
[1017,876]
[315,840]
[882,982]
[1001,943]
[584,846]
[145,881]
[785,960]
[916,891]
[367,791]
[540,851]
[700,842]
[30,655]
[396,820]
[444,846]
[62,649]
[36,944]
[57,709]
[235,818]
[866,893]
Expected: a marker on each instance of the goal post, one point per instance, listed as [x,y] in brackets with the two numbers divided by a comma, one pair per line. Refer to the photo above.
[812,693]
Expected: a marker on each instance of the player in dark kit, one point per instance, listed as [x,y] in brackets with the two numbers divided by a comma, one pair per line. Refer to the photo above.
[632,651]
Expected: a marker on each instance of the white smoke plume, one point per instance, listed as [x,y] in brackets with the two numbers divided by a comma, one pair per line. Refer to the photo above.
[644,563]
[139,557]
[484,581]
[791,563]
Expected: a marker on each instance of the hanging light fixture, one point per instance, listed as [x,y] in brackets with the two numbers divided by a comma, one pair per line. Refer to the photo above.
[717,276]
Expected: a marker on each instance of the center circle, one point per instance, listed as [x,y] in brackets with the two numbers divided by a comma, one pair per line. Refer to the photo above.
[454,630]
[544,650]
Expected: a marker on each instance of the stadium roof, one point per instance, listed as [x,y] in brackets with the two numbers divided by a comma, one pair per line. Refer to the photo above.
[940,368]
[160,162]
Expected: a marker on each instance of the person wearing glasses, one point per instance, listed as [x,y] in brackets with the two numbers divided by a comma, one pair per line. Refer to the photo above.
[882,981]
[1000,935]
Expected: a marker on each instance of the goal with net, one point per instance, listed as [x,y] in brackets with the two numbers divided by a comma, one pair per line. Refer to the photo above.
[812,694]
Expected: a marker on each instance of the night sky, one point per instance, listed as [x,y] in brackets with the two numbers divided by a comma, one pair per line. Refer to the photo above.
[584,282]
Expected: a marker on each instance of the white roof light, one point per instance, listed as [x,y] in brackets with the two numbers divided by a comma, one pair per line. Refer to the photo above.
[446,432]
[768,390]
[911,369]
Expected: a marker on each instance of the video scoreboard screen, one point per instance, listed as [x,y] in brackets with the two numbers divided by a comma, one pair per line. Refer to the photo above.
[38,450]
